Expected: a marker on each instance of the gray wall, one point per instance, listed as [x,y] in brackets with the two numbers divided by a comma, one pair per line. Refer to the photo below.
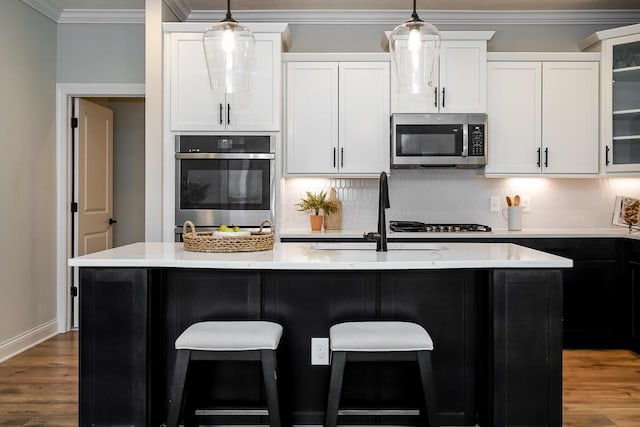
[27,169]
[100,53]
[508,38]
[128,162]
[128,168]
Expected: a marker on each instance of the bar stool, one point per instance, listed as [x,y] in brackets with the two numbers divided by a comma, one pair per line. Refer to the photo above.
[227,340]
[380,341]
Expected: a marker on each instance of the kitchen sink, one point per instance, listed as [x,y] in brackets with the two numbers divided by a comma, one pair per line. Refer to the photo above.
[371,246]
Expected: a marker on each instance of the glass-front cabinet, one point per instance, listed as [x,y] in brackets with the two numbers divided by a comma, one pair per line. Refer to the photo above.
[620,97]
[625,99]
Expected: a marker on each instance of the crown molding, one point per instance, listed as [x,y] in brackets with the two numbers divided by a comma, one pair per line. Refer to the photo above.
[325,17]
[393,17]
[179,8]
[102,16]
[45,8]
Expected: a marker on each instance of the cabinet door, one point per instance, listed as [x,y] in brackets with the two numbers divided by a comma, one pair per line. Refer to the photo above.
[312,117]
[116,335]
[364,117]
[194,106]
[621,104]
[514,117]
[259,109]
[463,76]
[403,102]
[570,117]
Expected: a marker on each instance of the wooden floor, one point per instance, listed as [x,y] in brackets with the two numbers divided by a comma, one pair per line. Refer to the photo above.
[39,387]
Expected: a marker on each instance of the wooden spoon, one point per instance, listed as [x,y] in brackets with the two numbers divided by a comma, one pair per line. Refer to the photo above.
[516,200]
[508,201]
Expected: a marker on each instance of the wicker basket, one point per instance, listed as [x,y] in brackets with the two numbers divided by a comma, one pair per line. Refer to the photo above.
[205,241]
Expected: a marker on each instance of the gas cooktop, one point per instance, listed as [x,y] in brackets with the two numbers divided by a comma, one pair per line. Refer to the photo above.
[420,227]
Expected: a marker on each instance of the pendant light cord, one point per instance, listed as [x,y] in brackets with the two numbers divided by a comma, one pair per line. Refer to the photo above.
[414,15]
[229,18]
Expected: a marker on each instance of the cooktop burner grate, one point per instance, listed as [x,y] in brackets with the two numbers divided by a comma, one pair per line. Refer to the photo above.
[420,227]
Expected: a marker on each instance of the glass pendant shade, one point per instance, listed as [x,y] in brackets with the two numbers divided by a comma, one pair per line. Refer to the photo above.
[415,49]
[228,49]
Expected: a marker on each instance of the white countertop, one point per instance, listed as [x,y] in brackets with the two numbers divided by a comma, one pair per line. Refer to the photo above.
[303,256]
[302,233]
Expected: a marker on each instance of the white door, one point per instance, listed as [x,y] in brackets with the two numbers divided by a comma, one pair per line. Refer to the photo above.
[364,118]
[463,76]
[94,139]
[514,117]
[259,109]
[570,117]
[312,117]
[194,106]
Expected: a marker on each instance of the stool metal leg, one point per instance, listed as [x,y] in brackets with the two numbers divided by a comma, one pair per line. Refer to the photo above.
[268,358]
[426,376]
[177,388]
[335,388]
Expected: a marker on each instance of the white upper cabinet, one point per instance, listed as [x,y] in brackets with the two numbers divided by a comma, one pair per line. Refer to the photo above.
[542,117]
[312,117]
[195,107]
[620,97]
[337,118]
[460,85]
[514,131]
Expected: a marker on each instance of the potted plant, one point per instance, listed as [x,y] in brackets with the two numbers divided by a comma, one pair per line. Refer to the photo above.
[315,203]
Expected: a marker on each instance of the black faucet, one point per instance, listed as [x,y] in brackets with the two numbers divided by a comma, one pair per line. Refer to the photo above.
[383,203]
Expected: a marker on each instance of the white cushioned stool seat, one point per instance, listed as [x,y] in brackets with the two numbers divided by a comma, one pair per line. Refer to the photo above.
[379,336]
[230,336]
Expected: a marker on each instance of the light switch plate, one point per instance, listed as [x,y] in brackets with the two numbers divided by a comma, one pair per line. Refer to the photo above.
[525,202]
[494,204]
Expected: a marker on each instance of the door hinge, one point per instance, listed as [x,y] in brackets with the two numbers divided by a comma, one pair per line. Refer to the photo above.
[74,122]
[74,207]
[74,291]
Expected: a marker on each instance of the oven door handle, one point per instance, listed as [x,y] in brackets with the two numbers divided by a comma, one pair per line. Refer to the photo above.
[224,156]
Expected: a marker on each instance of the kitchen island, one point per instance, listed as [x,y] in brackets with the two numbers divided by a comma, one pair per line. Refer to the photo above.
[494,311]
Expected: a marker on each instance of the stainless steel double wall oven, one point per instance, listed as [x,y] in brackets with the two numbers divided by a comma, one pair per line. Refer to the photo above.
[225,179]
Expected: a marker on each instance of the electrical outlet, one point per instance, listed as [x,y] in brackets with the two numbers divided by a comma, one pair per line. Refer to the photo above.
[494,204]
[319,351]
[525,202]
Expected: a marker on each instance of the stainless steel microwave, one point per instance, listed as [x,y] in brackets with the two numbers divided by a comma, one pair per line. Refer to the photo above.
[438,140]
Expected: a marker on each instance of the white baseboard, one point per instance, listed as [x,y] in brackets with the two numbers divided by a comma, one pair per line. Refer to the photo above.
[28,339]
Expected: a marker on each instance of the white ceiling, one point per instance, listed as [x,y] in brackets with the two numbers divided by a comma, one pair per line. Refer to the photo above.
[204,5]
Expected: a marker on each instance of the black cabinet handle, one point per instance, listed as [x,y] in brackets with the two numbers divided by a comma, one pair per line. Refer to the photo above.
[546,157]
[221,113]
[334,157]
[435,97]
[443,97]
[606,156]
[112,221]
[538,157]
[228,113]
[342,157]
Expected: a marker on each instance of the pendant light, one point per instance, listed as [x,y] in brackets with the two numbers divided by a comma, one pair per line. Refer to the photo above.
[415,47]
[228,49]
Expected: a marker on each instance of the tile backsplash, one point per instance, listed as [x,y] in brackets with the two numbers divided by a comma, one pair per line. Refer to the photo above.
[462,196]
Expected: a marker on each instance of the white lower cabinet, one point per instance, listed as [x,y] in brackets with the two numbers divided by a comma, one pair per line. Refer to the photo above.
[542,117]
[337,118]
